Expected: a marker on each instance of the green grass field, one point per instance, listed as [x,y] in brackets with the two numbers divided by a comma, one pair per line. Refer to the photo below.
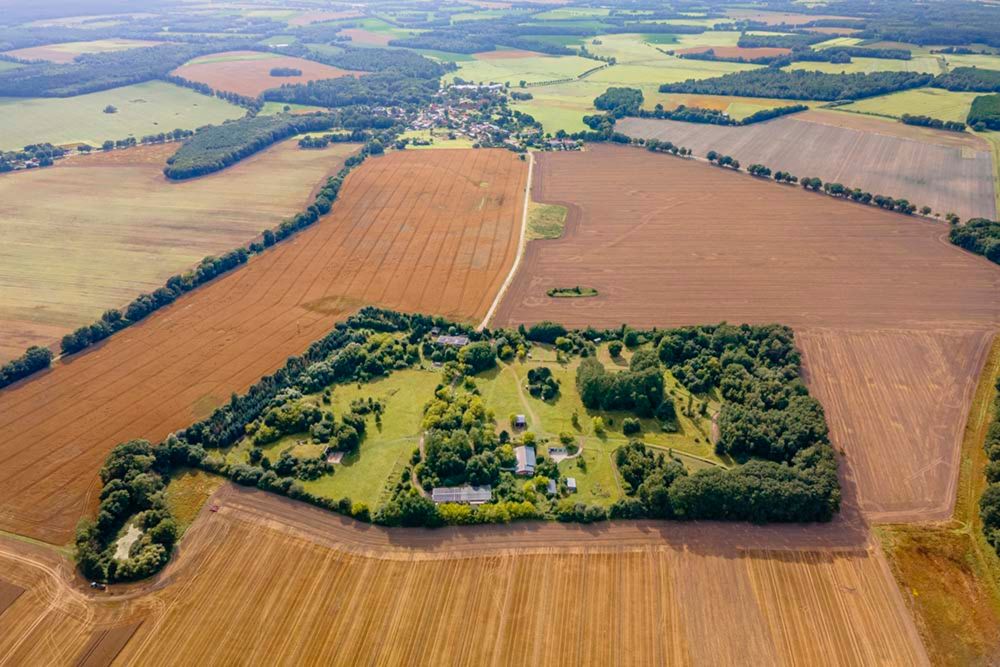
[927,64]
[271,108]
[981,61]
[837,41]
[532,69]
[438,139]
[545,221]
[187,493]
[145,108]
[933,102]
[565,13]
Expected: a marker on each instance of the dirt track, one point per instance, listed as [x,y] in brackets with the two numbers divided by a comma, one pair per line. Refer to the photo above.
[893,321]
[266,575]
[429,231]
[948,173]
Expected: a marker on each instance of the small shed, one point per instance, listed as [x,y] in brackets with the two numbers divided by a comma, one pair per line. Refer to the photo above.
[520,421]
[525,460]
[552,488]
[571,484]
[469,495]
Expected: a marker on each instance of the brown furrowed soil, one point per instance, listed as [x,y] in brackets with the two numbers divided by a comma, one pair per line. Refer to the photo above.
[269,576]
[869,153]
[427,231]
[893,321]
[249,72]
[93,232]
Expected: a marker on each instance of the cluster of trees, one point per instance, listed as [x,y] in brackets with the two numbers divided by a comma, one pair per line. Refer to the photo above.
[541,383]
[215,147]
[759,170]
[638,389]
[801,85]
[251,104]
[324,140]
[33,155]
[796,40]
[972,79]
[711,55]
[133,477]
[378,89]
[34,359]
[989,502]
[658,146]
[285,71]
[723,160]
[936,123]
[985,113]
[100,71]
[619,102]
[980,236]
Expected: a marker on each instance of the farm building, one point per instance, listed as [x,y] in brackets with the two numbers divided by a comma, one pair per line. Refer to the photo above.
[471,495]
[571,484]
[453,341]
[520,421]
[525,460]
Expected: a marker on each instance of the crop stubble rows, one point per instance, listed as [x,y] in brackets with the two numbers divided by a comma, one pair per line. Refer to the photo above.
[320,589]
[428,231]
[927,167]
[893,321]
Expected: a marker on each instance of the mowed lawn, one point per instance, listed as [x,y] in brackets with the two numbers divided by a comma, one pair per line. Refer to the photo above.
[933,102]
[144,108]
[93,232]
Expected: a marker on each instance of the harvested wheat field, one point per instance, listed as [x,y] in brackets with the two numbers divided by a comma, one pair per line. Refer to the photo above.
[249,72]
[265,574]
[746,53]
[428,231]
[890,392]
[893,320]
[877,155]
[67,52]
[94,232]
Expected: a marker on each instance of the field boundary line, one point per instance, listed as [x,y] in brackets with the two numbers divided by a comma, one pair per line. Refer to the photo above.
[520,249]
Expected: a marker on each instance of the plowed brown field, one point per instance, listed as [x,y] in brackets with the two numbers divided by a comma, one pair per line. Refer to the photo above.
[429,231]
[878,155]
[249,72]
[266,576]
[893,320]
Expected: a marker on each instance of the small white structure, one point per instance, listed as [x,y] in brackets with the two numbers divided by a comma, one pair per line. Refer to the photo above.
[571,484]
[470,495]
[552,488]
[525,460]
[520,421]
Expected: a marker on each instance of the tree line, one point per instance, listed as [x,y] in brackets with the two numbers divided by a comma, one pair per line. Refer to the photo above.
[985,113]
[936,123]
[989,502]
[980,236]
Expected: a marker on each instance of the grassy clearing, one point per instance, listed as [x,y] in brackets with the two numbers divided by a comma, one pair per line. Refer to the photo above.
[545,221]
[144,108]
[926,64]
[187,493]
[533,69]
[974,60]
[948,573]
[272,108]
[437,139]
[933,102]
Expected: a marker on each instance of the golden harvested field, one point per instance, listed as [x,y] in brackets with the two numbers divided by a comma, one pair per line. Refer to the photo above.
[897,401]
[893,320]
[858,151]
[66,52]
[94,232]
[265,575]
[426,231]
[249,72]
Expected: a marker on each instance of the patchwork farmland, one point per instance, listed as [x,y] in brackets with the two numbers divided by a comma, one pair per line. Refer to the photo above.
[879,303]
[877,155]
[623,593]
[249,72]
[74,244]
[429,231]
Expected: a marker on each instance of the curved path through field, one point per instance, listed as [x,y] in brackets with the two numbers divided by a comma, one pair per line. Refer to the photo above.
[428,231]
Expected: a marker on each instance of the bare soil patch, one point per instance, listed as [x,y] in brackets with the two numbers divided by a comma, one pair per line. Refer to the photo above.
[880,156]
[93,232]
[746,53]
[427,231]
[252,77]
